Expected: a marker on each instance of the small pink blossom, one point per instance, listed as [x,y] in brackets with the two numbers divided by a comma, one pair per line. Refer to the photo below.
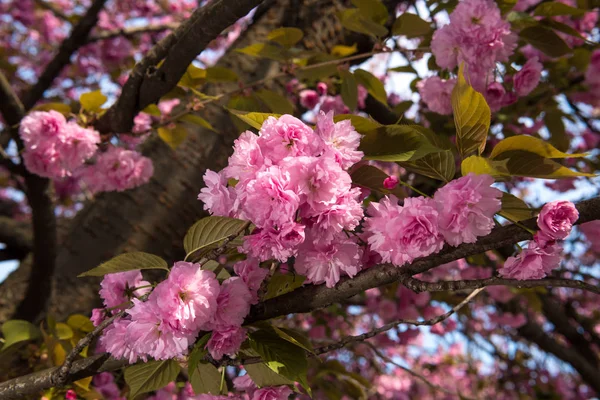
[272,393]
[286,136]
[71,395]
[341,138]
[391,182]
[591,230]
[436,93]
[278,243]
[247,157]
[226,341]
[115,287]
[534,262]
[252,275]
[556,220]
[466,208]
[528,77]
[217,197]
[233,303]
[309,99]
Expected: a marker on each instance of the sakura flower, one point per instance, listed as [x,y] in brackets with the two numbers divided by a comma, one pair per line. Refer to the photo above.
[226,341]
[252,275]
[217,197]
[233,303]
[115,287]
[534,262]
[556,220]
[528,77]
[436,94]
[341,139]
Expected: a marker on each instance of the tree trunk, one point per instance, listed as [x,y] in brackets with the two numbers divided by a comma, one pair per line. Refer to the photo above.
[155,217]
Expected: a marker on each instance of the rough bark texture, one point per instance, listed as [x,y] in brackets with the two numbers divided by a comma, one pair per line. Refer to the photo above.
[155,217]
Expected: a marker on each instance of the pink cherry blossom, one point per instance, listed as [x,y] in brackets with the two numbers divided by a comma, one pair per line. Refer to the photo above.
[391,182]
[309,99]
[115,287]
[528,77]
[591,230]
[272,393]
[466,208]
[436,93]
[233,303]
[188,297]
[556,220]
[327,262]
[247,157]
[534,262]
[226,341]
[252,275]
[217,197]
[278,243]
[341,138]
[286,136]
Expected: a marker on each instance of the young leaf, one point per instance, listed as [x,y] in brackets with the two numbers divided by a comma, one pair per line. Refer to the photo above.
[221,74]
[360,124]
[353,20]
[209,232]
[524,163]
[374,10]
[127,262]
[277,103]
[265,50]
[92,101]
[440,165]
[294,337]
[343,51]
[515,209]
[372,178]
[545,40]
[205,378]
[349,89]
[283,283]
[411,26]
[471,116]
[150,376]
[281,356]
[554,8]
[372,84]
[287,37]
[197,120]
[198,353]
[62,108]
[397,143]
[16,330]
[532,145]
[63,331]
[80,322]
[483,166]
[264,376]
[173,136]
[254,119]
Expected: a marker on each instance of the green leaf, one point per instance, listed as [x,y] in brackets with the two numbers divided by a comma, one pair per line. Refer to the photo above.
[360,124]
[546,40]
[264,50]
[411,26]
[440,165]
[62,108]
[193,77]
[209,232]
[375,10]
[343,51]
[554,9]
[80,322]
[152,109]
[221,74]
[294,337]
[353,20]
[286,37]
[264,376]
[373,85]
[128,262]
[471,116]
[197,120]
[372,178]
[205,378]
[315,70]
[16,330]
[212,265]
[506,5]
[397,143]
[483,166]
[283,283]
[524,163]
[349,89]
[173,136]
[404,68]
[92,101]
[564,28]
[532,145]
[515,209]
[254,119]
[281,356]
[63,331]
[150,376]
[276,102]
[198,353]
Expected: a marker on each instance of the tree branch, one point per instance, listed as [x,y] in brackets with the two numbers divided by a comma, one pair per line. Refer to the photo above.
[147,83]
[131,32]
[68,47]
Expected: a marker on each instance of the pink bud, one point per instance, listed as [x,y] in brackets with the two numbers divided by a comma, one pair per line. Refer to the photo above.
[309,99]
[71,395]
[390,182]
[322,88]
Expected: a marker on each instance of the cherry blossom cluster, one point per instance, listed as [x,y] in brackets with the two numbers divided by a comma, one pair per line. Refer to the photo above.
[292,183]
[69,154]
[321,100]
[167,323]
[543,254]
[459,212]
